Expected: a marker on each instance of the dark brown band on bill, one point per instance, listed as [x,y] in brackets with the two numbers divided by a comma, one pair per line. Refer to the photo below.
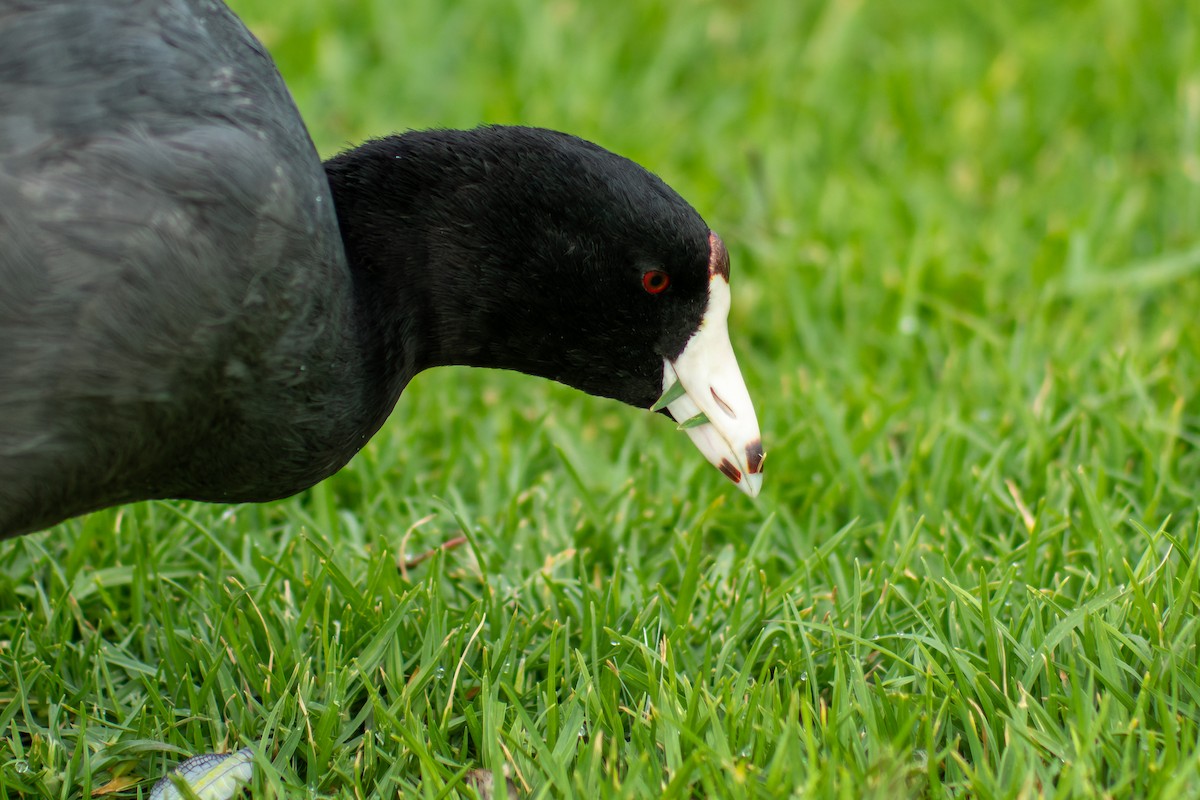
[754,456]
[731,472]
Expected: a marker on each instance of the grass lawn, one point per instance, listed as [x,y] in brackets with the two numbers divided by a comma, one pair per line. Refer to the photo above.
[966,274]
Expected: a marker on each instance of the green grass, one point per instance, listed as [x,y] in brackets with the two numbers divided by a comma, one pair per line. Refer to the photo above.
[966,246]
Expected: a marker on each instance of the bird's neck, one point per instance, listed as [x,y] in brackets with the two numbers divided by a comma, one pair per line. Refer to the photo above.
[383,248]
[430,279]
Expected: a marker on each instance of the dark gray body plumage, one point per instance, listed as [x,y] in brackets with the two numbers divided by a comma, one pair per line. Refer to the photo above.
[173,290]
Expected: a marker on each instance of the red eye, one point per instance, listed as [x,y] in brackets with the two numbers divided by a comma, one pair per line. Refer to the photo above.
[655,281]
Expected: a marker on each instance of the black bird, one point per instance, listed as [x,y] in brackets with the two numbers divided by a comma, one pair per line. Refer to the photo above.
[192,305]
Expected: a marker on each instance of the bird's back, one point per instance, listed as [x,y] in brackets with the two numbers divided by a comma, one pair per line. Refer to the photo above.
[163,221]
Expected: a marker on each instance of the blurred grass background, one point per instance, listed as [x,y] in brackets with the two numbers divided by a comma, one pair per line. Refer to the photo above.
[966,286]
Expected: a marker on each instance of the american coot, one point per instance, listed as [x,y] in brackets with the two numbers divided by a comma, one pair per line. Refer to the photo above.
[193,306]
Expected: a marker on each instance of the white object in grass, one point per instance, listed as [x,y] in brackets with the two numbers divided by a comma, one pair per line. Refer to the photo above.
[211,776]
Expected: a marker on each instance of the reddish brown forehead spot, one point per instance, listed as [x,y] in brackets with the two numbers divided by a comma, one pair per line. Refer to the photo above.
[718,257]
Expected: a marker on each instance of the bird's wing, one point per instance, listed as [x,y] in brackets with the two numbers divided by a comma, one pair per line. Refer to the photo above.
[156,187]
